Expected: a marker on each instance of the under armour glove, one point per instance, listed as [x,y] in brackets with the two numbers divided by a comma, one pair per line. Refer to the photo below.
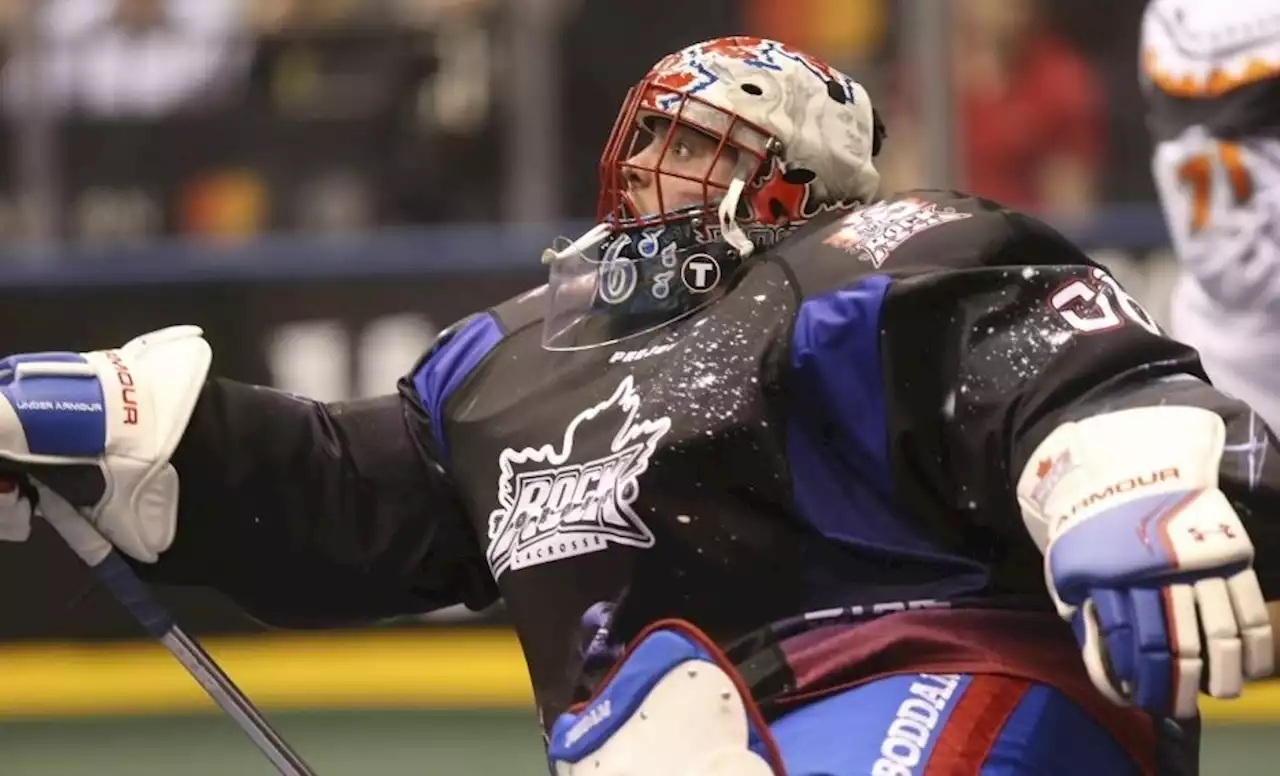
[15,511]
[92,434]
[1146,558]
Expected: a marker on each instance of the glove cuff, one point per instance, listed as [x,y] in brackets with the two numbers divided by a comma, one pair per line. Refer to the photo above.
[150,387]
[1089,466]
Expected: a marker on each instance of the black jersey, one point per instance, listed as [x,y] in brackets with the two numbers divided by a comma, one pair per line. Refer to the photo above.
[835,438]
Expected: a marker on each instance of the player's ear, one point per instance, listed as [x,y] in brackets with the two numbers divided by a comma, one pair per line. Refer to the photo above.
[878,133]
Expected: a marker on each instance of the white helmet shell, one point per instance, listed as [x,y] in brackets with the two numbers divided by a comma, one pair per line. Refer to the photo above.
[821,118]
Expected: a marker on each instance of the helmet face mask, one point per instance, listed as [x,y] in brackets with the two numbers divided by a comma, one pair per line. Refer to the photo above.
[794,124]
[723,147]
[679,162]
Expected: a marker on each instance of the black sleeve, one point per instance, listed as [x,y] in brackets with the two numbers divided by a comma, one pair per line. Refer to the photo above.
[309,514]
[983,364]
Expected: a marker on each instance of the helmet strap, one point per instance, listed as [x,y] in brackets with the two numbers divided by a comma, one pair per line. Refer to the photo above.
[728,209]
[586,242]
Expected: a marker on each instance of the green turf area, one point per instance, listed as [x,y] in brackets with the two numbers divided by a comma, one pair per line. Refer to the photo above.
[436,743]
[334,744]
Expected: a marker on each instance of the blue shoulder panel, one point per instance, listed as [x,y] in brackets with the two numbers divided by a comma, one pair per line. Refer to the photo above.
[455,353]
[838,437]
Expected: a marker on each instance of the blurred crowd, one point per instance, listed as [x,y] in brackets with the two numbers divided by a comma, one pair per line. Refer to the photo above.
[128,119]
[1045,94]
[231,118]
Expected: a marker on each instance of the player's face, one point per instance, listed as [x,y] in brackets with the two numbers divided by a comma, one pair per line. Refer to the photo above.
[688,169]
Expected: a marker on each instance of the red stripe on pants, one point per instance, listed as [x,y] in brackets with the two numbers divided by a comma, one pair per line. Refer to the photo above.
[968,734]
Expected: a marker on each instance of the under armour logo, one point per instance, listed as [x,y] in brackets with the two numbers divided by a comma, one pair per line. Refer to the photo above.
[1222,529]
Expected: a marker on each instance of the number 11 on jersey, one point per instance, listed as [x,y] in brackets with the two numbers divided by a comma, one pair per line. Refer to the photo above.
[1197,174]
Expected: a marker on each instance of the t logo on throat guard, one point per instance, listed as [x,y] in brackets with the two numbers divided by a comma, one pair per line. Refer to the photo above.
[700,273]
[553,507]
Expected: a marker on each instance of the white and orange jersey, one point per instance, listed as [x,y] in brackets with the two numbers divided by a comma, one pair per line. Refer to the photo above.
[1211,72]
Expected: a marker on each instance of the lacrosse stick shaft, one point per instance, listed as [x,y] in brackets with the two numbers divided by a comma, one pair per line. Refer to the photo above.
[136,597]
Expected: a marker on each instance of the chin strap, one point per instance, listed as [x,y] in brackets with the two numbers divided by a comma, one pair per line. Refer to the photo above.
[586,242]
[728,211]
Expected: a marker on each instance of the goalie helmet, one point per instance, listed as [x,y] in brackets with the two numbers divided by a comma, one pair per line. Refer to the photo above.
[786,137]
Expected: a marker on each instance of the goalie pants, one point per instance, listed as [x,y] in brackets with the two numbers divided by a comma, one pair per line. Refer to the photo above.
[957,725]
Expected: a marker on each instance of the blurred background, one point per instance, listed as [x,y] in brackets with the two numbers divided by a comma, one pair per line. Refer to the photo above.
[324,184]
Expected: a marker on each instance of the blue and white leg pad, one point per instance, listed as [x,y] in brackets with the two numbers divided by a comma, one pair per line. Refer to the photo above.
[674,707]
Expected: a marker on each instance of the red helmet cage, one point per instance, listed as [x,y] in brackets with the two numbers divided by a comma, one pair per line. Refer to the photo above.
[624,140]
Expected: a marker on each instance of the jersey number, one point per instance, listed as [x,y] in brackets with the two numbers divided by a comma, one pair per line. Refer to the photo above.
[1099,304]
[1197,174]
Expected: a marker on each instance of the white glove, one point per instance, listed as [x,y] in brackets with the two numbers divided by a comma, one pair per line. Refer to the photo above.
[1146,558]
[93,434]
[15,511]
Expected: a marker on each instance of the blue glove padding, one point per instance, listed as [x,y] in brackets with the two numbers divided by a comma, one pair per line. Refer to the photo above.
[54,413]
[58,401]
[1146,581]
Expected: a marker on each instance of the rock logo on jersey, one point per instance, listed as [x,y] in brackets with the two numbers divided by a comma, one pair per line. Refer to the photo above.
[554,507]
[875,231]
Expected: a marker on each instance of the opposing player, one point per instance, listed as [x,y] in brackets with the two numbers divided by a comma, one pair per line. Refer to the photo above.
[1211,74]
[773,477]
